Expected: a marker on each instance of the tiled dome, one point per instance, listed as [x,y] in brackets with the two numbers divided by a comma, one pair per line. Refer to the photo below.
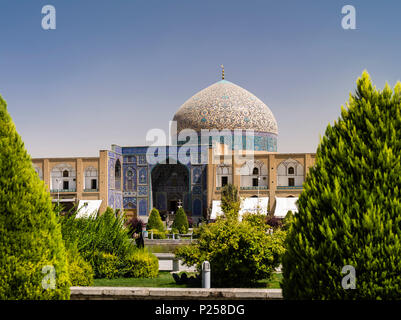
[224,105]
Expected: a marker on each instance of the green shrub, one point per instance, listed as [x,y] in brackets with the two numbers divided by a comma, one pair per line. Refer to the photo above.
[180,221]
[141,264]
[30,237]
[106,265]
[81,272]
[155,221]
[350,209]
[239,252]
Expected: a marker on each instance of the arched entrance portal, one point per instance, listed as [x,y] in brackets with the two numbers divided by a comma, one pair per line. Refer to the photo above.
[170,186]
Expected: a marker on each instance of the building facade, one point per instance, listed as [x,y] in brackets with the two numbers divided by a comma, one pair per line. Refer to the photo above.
[239,147]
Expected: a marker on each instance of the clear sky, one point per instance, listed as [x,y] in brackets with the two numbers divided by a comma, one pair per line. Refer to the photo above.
[112,70]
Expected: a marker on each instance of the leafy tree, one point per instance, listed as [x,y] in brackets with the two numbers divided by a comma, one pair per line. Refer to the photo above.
[240,253]
[257,220]
[30,236]
[155,221]
[350,209]
[230,200]
[180,222]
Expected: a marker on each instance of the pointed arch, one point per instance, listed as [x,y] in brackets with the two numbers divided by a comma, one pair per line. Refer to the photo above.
[91,178]
[253,174]
[290,173]
[223,175]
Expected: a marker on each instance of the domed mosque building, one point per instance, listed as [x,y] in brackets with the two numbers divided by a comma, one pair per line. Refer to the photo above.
[226,106]
[221,135]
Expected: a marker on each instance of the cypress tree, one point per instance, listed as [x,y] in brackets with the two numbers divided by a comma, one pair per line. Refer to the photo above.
[155,221]
[180,221]
[31,244]
[350,209]
[230,200]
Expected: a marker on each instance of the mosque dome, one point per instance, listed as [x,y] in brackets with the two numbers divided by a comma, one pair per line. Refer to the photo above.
[225,105]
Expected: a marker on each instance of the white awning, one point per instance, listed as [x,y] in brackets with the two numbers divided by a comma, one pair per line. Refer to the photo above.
[216,209]
[254,205]
[283,205]
[248,205]
[88,208]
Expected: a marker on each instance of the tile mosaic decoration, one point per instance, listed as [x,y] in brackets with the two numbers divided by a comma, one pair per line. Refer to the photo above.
[196,175]
[134,150]
[225,105]
[115,197]
[197,207]
[143,190]
[143,176]
[129,202]
[196,189]
[143,207]
[142,159]
[142,197]
[130,178]
[130,159]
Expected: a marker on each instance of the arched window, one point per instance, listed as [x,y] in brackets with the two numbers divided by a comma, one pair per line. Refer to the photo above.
[117,175]
[62,177]
[118,169]
[290,173]
[224,175]
[253,175]
[91,178]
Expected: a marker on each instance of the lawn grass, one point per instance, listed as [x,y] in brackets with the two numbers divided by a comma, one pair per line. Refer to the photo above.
[165,280]
[273,283]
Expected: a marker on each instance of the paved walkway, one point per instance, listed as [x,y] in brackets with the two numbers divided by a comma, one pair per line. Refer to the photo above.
[134,293]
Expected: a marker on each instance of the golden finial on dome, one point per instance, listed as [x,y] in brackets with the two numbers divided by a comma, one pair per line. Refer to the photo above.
[222,72]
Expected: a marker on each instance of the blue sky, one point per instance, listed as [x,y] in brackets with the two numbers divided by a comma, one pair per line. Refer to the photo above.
[112,70]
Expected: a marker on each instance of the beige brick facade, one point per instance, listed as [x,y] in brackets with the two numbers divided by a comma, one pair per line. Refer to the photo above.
[274,179]
[274,187]
[51,170]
